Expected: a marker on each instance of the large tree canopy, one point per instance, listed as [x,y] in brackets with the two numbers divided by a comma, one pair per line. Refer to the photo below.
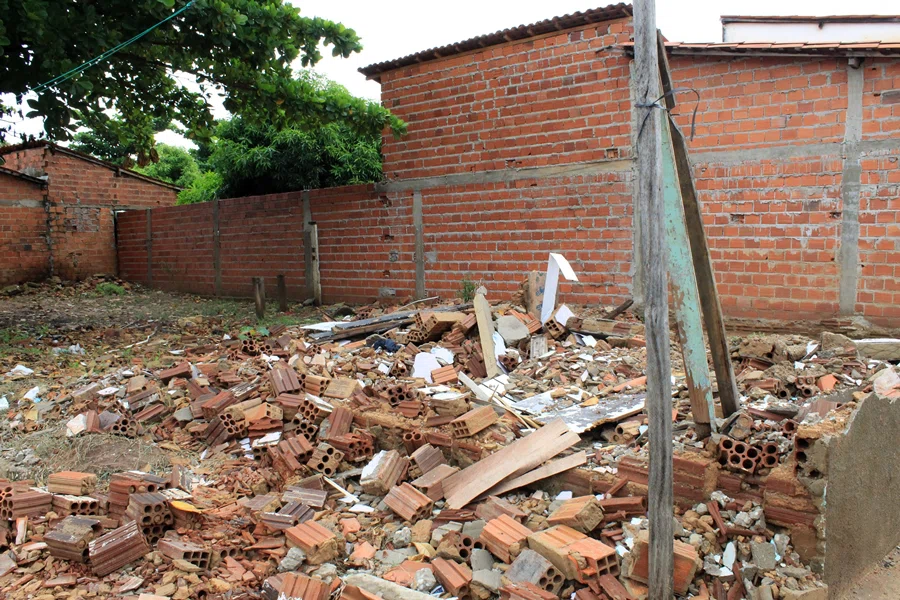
[242,48]
[253,159]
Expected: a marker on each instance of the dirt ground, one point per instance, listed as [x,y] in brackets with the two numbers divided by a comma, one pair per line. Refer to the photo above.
[66,333]
[883,583]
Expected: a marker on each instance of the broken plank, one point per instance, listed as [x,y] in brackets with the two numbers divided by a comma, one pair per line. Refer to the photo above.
[486,334]
[529,451]
[554,467]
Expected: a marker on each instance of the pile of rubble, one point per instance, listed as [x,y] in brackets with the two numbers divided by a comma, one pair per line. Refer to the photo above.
[465,451]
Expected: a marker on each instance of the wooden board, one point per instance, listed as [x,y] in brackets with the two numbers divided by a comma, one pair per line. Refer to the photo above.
[525,453]
[554,467]
[486,335]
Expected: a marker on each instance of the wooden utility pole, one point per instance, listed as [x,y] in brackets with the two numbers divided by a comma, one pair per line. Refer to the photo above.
[651,216]
[282,294]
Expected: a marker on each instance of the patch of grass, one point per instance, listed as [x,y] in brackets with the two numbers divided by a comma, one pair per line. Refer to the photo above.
[108,288]
[291,320]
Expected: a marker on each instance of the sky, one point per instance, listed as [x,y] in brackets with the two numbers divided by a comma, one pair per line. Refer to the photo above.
[393,28]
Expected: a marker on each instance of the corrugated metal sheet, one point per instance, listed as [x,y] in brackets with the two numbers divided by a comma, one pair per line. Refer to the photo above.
[522,32]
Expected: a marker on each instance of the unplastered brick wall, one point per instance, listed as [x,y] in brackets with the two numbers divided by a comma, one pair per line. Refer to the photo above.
[24,253]
[494,234]
[555,99]
[524,148]
[365,245]
[79,208]
[773,161]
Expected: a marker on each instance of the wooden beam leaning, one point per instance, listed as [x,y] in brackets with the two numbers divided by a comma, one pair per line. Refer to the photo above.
[706,281]
[686,299]
[651,216]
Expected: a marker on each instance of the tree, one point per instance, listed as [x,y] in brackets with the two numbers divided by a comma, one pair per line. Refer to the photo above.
[175,165]
[263,160]
[242,48]
[114,143]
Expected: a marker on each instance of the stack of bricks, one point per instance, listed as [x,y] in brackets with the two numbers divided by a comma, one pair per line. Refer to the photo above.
[117,548]
[474,421]
[356,446]
[325,459]
[151,512]
[69,539]
[122,485]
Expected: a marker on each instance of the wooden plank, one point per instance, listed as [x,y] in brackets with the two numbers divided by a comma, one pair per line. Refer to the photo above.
[529,451]
[651,216]
[554,467]
[706,281]
[485,334]
[685,297]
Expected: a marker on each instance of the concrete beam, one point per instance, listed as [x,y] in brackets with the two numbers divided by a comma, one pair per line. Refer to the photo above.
[505,175]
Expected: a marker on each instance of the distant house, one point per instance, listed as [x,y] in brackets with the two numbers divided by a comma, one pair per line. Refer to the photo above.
[59,208]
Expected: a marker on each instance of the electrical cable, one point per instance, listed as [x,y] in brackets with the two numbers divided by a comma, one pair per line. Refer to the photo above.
[97,59]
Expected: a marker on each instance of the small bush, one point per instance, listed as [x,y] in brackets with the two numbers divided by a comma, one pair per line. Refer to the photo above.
[108,288]
[467,290]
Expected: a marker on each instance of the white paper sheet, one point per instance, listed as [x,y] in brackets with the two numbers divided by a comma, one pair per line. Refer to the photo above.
[556,264]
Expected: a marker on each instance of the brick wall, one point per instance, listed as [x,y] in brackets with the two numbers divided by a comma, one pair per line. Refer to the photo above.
[524,148]
[556,99]
[365,245]
[82,198]
[24,253]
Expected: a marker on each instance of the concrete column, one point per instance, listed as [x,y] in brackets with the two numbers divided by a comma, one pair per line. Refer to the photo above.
[217,248]
[420,244]
[848,255]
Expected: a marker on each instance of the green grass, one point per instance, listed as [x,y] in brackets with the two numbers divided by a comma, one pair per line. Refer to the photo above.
[107,288]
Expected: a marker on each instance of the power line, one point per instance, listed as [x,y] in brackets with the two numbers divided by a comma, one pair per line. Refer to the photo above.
[98,59]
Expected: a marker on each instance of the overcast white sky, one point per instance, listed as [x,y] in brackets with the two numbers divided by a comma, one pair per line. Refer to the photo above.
[394,28]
